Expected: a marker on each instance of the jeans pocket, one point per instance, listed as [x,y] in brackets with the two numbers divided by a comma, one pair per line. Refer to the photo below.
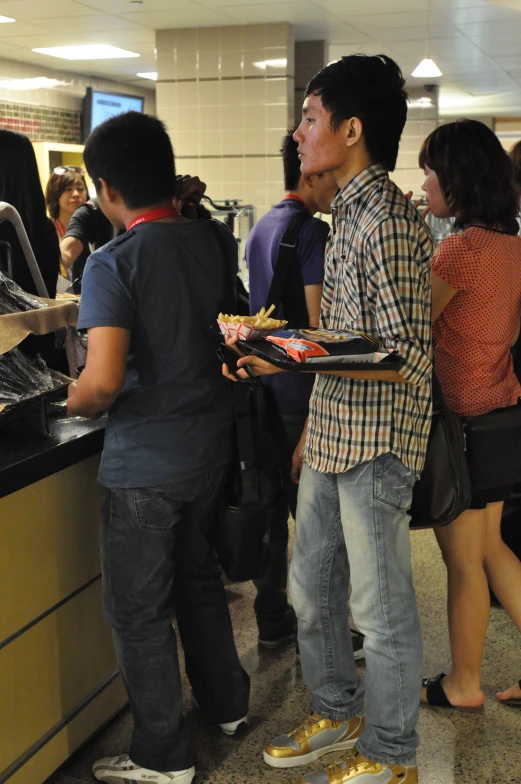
[393,482]
[157,509]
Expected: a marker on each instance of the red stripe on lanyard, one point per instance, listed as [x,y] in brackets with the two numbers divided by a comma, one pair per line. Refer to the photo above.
[153,215]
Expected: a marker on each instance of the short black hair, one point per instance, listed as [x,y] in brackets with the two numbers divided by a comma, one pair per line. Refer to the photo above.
[474,172]
[133,153]
[369,87]
[290,161]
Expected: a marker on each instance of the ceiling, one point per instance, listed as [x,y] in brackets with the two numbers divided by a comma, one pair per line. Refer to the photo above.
[476,43]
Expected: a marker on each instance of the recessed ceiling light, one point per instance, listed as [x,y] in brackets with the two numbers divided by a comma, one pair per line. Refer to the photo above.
[149,75]
[34,83]
[263,64]
[6,19]
[89,52]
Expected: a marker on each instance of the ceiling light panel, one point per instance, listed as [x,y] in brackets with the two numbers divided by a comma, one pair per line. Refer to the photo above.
[88,52]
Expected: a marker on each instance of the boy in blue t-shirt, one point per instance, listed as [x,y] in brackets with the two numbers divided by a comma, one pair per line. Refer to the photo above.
[148,299]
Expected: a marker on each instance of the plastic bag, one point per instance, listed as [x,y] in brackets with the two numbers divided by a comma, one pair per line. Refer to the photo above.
[13,299]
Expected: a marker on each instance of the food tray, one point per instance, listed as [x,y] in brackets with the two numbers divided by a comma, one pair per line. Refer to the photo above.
[271,353]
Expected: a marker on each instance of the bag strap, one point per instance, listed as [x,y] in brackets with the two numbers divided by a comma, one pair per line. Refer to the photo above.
[230,286]
[244,431]
[287,250]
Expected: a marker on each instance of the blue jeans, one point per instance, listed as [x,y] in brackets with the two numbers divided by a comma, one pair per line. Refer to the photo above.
[354,527]
[157,563]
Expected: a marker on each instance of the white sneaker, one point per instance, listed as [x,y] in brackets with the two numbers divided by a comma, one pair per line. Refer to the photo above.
[115,770]
[231,727]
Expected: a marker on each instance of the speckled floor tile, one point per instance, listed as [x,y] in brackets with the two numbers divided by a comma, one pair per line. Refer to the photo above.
[457,748]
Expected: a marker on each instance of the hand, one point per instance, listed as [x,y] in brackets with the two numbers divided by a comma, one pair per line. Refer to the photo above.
[190,190]
[298,456]
[418,203]
[258,366]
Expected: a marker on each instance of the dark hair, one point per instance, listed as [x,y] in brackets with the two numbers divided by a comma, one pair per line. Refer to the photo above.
[474,172]
[20,182]
[290,161]
[370,88]
[58,184]
[515,158]
[132,152]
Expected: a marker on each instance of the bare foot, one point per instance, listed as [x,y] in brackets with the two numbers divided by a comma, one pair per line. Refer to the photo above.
[457,697]
[514,693]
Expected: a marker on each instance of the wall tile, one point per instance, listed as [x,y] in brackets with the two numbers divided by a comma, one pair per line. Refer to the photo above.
[209,65]
[166,65]
[255,117]
[232,64]
[211,143]
[231,92]
[254,92]
[256,169]
[277,90]
[255,142]
[186,65]
[208,39]
[209,93]
[277,116]
[210,168]
[233,142]
[210,117]
[232,118]
[254,36]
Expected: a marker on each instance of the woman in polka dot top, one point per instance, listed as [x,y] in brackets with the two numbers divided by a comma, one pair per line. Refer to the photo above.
[476,303]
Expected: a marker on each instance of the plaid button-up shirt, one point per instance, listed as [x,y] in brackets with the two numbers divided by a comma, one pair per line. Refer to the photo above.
[377,280]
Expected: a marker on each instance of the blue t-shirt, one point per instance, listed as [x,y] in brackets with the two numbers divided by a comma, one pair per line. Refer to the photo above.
[291,391]
[165,282]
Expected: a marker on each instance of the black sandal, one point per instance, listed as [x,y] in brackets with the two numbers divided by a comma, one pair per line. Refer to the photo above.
[437,698]
[512,700]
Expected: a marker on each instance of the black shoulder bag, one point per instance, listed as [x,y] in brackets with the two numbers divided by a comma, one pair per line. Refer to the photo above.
[287,277]
[254,500]
[443,491]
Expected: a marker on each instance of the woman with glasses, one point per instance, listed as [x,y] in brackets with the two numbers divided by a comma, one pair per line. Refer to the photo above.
[66,191]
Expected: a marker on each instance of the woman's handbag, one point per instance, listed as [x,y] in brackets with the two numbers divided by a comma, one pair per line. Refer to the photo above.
[443,491]
[494,448]
[254,504]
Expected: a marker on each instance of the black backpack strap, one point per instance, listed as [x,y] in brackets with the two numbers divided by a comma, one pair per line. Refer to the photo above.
[244,432]
[230,286]
[287,248]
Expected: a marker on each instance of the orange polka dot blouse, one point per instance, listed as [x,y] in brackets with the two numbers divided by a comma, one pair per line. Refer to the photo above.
[474,333]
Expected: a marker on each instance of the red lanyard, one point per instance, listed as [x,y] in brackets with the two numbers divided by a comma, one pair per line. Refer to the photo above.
[59,227]
[153,215]
[296,198]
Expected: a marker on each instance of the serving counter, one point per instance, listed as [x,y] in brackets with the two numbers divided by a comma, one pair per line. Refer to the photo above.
[59,681]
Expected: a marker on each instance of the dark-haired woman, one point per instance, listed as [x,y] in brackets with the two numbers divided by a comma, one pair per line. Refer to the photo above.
[66,191]
[20,187]
[476,276]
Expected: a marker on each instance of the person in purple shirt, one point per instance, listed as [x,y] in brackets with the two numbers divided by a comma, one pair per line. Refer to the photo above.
[288,396]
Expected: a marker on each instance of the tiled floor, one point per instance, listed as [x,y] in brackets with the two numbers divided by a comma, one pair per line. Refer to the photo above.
[457,748]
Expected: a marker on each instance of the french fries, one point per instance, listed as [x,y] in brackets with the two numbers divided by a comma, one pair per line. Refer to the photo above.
[261,320]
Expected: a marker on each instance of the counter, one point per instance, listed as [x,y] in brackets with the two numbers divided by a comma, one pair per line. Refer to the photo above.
[59,681]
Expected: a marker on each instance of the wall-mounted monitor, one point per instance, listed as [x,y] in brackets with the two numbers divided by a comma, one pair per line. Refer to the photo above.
[99,106]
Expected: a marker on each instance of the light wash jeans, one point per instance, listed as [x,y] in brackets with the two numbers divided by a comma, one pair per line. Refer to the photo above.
[354,527]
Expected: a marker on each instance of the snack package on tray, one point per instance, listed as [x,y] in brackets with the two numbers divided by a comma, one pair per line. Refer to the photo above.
[320,345]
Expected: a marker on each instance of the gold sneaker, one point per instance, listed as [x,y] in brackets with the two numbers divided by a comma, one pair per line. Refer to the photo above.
[315,737]
[359,770]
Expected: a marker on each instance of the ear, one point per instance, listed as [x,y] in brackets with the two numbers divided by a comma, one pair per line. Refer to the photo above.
[354,131]
[110,193]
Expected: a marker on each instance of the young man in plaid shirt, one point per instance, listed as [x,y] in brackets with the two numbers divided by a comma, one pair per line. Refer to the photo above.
[365,445]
